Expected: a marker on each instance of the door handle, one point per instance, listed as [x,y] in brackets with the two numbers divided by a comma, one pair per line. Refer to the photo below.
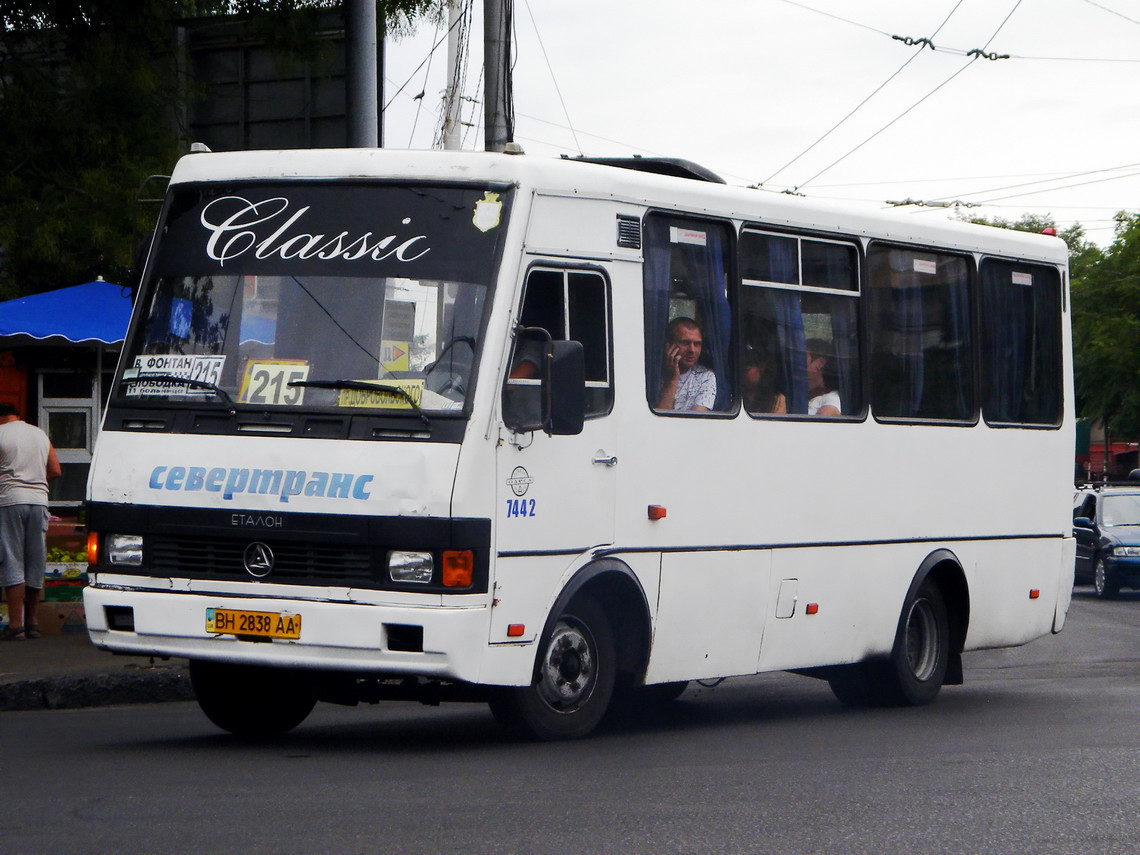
[605,459]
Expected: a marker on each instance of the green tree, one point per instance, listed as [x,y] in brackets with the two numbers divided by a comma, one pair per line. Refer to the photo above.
[91,100]
[1106,333]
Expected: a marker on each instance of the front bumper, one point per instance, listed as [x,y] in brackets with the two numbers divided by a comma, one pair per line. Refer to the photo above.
[1125,571]
[335,636]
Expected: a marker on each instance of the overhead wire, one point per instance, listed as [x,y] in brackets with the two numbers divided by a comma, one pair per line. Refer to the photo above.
[859,106]
[929,94]
[1112,11]
[420,101]
[553,78]
[416,70]
[1062,177]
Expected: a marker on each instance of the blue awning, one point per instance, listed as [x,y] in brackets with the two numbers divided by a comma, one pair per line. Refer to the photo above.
[95,313]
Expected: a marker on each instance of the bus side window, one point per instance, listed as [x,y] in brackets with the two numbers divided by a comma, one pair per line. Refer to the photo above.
[688,318]
[921,342]
[1021,342]
[569,305]
[801,347]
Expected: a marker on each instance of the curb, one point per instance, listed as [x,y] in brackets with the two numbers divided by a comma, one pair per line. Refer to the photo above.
[153,685]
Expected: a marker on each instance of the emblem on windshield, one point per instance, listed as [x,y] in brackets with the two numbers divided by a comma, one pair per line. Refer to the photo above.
[258,560]
[488,212]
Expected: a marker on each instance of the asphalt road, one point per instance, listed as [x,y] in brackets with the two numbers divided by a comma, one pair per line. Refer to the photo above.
[1037,753]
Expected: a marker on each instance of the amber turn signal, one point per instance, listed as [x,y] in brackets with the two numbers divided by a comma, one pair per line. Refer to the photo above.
[458,568]
[92,548]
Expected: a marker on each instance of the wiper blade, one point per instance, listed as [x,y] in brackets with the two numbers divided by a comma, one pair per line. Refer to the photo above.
[367,386]
[186,381]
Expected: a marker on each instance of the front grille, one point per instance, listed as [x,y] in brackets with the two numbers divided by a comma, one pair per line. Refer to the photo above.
[295,562]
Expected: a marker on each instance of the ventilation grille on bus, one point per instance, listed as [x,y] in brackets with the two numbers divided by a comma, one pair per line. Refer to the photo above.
[295,563]
[629,232]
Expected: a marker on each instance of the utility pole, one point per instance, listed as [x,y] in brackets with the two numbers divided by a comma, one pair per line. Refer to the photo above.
[451,137]
[498,105]
[361,88]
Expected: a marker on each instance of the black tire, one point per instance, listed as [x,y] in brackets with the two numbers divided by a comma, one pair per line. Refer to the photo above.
[914,672]
[574,680]
[1104,582]
[252,701]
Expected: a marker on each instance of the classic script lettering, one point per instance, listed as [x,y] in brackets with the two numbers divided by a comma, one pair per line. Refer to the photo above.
[268,228]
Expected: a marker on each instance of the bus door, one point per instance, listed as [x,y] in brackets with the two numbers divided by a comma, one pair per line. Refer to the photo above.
[556,494]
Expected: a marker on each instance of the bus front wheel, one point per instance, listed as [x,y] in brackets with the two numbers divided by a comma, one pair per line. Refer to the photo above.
[250,701]
[914,672]
[573,683]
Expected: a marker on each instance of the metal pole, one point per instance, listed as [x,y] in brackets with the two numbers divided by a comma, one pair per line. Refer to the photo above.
[360,73]
[496,75]
[451,137]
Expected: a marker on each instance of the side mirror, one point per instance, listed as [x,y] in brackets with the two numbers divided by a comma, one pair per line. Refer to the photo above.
[1082,522]
[564,389]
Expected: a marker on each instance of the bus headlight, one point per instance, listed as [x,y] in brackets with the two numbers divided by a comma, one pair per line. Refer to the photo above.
[410,567]
[124,549]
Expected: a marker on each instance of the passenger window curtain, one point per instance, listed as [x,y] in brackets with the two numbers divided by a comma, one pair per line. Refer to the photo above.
[1021,346]
[707,283]
[921,363]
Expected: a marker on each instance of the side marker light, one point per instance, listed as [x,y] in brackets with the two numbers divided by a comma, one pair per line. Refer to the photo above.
[657,512]
[811,608]
[516,630]
[1034,593]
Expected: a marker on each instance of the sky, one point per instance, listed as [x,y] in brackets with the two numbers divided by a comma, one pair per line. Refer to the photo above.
[816,97]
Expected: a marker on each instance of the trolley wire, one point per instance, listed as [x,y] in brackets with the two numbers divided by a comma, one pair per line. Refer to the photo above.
[859,106]
[553,78]
[971,61]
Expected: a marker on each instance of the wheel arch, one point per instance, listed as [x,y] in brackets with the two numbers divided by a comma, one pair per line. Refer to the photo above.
[943,568]
[613,585]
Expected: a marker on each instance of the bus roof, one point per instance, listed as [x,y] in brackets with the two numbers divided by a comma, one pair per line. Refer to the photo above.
[606,179]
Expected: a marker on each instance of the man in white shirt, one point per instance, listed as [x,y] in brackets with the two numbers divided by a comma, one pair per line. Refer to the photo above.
[687,386]
[27,463]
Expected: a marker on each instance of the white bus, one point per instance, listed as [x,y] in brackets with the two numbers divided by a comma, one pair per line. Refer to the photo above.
[432,425]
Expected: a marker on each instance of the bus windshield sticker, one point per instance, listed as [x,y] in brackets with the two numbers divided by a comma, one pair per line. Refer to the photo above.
[1022,278]
[923,265]
[383,397]
[203,369]
[395,355]
[488,212]
[266,381]
[690,236]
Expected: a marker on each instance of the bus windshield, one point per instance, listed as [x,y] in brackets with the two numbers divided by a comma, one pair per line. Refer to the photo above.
[317,296]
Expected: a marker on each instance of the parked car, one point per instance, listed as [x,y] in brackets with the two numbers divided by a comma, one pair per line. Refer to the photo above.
[1106,525]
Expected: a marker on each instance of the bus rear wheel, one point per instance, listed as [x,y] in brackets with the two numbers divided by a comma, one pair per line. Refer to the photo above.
[251,701]
[914,672]
[574,681]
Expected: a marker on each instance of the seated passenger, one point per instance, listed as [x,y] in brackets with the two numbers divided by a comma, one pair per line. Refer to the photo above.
[761,392]
[686,386]
[823,398]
